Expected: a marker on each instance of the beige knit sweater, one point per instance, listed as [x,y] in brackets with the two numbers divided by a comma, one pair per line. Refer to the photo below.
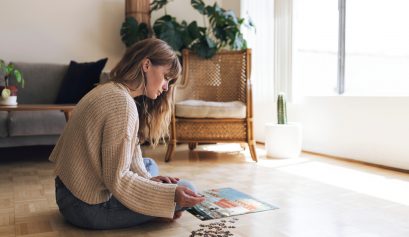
[98,154]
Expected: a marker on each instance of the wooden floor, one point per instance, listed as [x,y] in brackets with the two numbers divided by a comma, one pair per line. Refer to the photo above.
[316,196]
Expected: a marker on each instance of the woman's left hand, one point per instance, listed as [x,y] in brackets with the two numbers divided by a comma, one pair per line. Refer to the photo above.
[165,179]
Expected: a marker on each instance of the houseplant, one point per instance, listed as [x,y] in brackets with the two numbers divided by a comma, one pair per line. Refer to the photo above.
[223,30]
[283,139]
[8,91]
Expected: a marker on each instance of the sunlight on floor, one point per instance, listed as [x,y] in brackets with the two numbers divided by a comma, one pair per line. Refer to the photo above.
[232,148]
[375,185]
[261,154]
[223,147]
[359,181]
[277,162]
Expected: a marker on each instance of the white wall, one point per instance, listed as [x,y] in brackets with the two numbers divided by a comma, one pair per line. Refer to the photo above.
[370,129]
[58,31]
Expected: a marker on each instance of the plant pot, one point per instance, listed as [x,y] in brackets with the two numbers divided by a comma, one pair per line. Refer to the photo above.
[11,100]
[283,140]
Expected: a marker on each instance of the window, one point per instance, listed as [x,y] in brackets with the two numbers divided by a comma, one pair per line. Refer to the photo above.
[376,48]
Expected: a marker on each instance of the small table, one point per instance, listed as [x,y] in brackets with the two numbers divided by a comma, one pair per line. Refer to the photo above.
[66,108]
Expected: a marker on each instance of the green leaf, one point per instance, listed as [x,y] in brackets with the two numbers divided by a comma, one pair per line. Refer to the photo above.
[199,6]
[187,39]
[172,37]
[205,47]
[237,43]
[194,30]
[218,10]
[219,33]
[249,24]
[183,24]
[169,30]
[158,4]
[210,10]
[17,76]
[210,42]
[132,32]
[2,67]
[159,24]
[230,15]
[9,69]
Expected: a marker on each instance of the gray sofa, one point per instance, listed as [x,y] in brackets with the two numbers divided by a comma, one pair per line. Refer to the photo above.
[28,128]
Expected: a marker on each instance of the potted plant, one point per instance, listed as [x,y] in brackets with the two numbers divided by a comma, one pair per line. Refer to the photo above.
[283,140]
[9,92]
[223,30]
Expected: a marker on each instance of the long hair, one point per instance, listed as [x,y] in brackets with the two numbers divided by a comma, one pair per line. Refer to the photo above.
[154,115]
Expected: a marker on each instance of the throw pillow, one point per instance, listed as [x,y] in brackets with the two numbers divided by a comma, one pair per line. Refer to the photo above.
[79,80]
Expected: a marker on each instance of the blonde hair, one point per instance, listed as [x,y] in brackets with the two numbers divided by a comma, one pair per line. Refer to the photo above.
[154,115]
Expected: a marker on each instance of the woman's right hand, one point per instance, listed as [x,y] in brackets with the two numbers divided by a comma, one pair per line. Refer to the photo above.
[185,197]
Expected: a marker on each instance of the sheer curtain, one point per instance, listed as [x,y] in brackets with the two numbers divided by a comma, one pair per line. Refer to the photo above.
[262,75]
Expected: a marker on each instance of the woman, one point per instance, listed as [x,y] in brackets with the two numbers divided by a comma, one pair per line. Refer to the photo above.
[102,180]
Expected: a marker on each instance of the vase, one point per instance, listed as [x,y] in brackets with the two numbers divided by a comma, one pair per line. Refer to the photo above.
[11,100]
[283,140]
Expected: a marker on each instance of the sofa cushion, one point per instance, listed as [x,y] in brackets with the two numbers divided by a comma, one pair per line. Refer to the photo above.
[210,109]
[3,124]
[27,123]
[79,80]
[42,82]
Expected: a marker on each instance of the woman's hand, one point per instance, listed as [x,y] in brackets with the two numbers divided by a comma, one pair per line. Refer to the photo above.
[165,179]
[185,197]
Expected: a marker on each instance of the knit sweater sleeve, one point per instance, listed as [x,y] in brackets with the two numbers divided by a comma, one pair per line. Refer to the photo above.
[132,190]
[137,164]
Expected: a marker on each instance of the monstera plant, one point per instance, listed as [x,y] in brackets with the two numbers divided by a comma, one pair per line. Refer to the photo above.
[223,30]
[132,31]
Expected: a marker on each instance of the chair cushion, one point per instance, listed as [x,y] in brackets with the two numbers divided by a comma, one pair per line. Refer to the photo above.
[27,123]
[79,80]
[3,123]
[210,109]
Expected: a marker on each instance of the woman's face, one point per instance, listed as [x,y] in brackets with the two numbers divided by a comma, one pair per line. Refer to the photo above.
[156,79]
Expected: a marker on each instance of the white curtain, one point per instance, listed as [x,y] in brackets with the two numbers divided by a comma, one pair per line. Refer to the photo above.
[262,75]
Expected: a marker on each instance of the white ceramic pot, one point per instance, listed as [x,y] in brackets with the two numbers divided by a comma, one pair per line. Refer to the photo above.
[11,100]
[283,140]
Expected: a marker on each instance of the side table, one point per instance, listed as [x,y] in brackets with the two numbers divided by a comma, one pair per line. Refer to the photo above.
[66,108]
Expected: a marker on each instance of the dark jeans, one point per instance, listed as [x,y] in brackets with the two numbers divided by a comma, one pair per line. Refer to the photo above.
[108,215]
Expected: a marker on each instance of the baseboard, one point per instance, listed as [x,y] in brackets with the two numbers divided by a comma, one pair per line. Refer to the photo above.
[357,161]
[350,160]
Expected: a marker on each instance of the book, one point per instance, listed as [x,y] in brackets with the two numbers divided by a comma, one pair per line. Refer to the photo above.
[226,202]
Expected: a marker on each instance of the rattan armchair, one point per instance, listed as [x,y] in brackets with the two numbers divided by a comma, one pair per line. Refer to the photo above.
[223,78]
